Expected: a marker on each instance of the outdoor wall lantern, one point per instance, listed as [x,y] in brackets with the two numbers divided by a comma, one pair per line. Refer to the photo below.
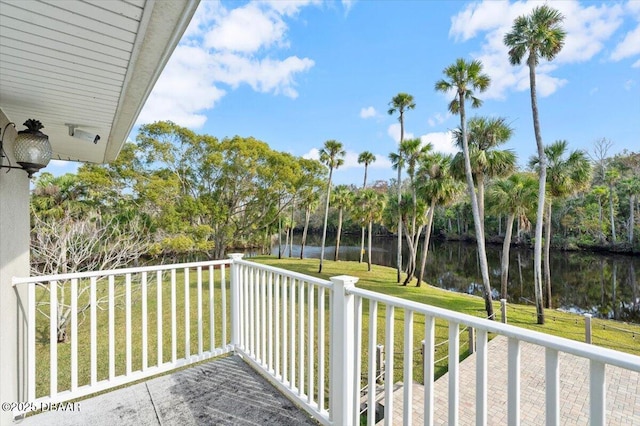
[32,149]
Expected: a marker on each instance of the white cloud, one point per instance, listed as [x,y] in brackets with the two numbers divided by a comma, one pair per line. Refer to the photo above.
[266,75]
[438,118]
[223,49]
[350,160]
[588,27]
[207,12]
[313,154]
[247,29]
[183,90]
[630,46]
[368,112]
[348,5]
[382,162]
[290,7]
[545,84]
[478,17]
[394,131]
[441,142]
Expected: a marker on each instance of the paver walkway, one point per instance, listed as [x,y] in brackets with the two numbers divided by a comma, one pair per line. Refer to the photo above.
[623,390]
[225,391]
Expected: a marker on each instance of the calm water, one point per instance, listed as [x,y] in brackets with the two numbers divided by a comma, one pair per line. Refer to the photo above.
[606,285]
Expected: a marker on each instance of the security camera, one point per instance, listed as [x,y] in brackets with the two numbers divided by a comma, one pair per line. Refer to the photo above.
[81,134]
[87,136]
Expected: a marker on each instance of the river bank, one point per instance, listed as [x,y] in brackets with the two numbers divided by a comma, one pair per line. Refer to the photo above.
[604,285]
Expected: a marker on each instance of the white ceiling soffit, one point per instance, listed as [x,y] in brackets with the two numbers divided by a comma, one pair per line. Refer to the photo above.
[90,64]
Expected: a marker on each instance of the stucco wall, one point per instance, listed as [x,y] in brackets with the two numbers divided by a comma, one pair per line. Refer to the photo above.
[14,261]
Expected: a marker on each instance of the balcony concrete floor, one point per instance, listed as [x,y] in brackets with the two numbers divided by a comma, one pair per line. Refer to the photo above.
[225,391]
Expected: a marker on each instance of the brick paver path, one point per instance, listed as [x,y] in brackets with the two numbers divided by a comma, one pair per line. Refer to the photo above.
[623,390]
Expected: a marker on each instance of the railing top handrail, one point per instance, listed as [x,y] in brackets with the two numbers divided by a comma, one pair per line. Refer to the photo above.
[108,272]
[605,355]
[308,278]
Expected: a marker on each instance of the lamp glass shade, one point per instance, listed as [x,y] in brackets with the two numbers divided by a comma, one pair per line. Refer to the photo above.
[32,150]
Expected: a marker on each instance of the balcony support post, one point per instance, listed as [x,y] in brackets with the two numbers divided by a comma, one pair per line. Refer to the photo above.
[235,299]
[342,350]
[14,262]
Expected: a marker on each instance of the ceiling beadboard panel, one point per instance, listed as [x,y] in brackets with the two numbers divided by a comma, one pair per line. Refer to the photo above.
[71,57]
[75,62]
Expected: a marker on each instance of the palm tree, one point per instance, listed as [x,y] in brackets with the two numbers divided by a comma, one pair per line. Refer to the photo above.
[538,35]
[514,195]
[484,135]
[365,158]
[332,155]
[372,204]
[342,199]
[439,187]
[400,103]
[411,151]
[464,77]
[564,177]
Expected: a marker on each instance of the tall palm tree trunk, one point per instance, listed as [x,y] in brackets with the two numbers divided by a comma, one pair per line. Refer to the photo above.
[414,238]
[286,240]
[399,255]
[537,250]
[482,254]
[364,186]
[279,232]
[547,260]
[480,183]
[335,256]
[369,248]
[425,244]
[411,261]
[506,246]
[326,217]
[362,246]
[307,215]
[293,203]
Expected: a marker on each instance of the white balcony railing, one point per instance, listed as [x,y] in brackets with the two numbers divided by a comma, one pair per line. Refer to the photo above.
[110,346]
[303,333]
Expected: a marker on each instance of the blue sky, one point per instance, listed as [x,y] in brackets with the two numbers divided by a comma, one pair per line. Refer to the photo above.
[295,74]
